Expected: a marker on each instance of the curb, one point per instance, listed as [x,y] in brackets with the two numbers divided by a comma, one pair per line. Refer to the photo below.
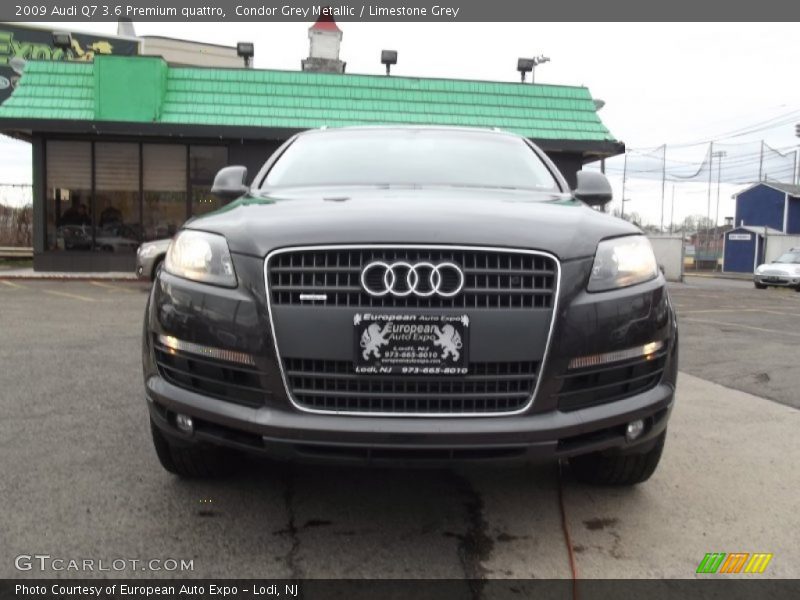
[719,276]
[58,278]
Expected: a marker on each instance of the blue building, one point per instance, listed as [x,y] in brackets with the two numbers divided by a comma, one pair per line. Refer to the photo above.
[765,208]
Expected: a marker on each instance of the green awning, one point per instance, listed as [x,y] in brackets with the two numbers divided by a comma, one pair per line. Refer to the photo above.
[146,90]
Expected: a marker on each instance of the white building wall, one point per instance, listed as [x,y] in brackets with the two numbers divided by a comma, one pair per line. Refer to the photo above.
[185,52]
[324,44]
[669,252]
[778,244]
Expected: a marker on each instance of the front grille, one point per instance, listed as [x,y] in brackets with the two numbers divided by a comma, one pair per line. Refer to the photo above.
[331,385]
[492,278]
[408,454]
[582,388]
[219,379]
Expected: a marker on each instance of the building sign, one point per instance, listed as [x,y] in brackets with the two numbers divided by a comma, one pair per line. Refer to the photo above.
[19,44]
[740,237]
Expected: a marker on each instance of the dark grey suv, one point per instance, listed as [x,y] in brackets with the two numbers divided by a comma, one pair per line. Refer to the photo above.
[415,296]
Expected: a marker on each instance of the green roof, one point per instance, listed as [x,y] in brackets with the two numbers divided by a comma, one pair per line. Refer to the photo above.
[147,90]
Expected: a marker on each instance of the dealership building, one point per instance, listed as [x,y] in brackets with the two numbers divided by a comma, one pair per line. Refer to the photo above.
[125,147]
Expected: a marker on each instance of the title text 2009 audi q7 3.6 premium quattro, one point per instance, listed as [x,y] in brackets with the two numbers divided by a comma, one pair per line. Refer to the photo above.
[410,296]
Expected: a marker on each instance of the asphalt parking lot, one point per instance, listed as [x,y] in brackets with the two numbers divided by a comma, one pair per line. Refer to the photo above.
[741,337]
[80,478]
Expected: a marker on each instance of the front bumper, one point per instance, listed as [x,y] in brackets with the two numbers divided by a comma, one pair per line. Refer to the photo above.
[777,280]
[322,438]
[144,265]
[586,324]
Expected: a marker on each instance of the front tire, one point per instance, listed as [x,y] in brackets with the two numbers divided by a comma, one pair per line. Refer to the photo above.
[193,462]
[759,286]
[617,469]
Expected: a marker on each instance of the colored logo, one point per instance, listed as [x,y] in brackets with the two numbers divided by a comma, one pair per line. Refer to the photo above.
[736,562]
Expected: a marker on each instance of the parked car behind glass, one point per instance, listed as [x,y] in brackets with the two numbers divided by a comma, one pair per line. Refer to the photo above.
[149,257]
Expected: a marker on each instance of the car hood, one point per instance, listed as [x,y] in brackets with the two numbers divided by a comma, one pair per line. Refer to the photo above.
[161,244]
[556,223]
[790,269]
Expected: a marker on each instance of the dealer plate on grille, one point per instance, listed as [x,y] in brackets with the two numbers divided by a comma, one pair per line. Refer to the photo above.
[387,343]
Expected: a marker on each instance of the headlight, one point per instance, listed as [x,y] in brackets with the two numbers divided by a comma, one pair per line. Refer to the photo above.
[622,262]
[202,257]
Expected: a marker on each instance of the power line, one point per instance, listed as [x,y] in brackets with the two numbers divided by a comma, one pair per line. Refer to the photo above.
[771,123]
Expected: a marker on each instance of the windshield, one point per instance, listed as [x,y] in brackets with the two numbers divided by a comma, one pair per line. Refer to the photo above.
[789,258]
[411,157]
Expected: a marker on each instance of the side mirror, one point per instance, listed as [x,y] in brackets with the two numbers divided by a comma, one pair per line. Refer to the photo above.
[229,183]
[593,188]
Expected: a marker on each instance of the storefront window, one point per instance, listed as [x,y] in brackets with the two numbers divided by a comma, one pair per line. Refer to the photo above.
[140,192]
[204,162]
[69,195]
[117,217]
[164,189]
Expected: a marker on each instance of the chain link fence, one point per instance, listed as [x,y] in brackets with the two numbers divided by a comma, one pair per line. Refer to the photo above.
[16,215]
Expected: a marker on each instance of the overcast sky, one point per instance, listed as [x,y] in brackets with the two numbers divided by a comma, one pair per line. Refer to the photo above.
[662,83]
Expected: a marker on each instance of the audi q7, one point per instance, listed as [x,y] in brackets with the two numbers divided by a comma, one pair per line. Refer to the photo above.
[415,296]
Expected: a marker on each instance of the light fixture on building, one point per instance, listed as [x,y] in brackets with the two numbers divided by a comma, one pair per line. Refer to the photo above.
[528,65]
[524,65]
[389,58]
[539,60]
[62,40]
[246,50]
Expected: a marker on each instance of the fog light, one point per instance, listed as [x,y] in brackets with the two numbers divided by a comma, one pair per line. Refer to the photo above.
[634,430]
[185,423]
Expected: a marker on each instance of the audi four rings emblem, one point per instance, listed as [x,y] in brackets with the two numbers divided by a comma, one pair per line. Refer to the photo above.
[422,279]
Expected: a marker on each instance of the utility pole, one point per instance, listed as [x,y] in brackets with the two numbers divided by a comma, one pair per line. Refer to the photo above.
[672,210]
[708,204]
[663,183]
[761,162]
[624,178]
[721,154]
[796,161]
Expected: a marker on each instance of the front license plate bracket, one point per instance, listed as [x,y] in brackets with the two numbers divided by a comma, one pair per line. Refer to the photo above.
[410,344]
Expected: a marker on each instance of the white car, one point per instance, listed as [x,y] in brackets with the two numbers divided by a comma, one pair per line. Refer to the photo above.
[149,257]
[784,271]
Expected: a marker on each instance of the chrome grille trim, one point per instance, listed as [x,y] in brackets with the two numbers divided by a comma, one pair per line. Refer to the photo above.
[430,247]
[331,385]
[498,280]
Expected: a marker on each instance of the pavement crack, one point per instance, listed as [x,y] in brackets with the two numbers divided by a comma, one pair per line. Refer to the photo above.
[290,559]
[475,545]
